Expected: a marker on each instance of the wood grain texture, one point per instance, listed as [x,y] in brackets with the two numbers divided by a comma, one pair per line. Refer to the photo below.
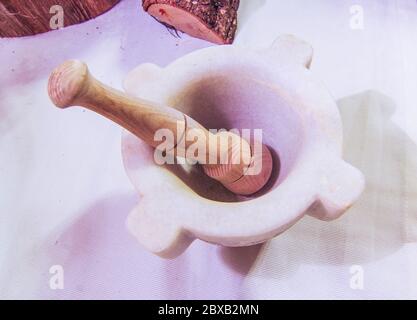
[23,18]
[225,156]
[71,84]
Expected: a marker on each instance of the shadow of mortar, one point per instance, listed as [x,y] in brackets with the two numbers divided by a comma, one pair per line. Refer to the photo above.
[101,260]
[382,220]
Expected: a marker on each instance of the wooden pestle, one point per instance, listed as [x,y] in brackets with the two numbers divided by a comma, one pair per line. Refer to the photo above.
[71,84]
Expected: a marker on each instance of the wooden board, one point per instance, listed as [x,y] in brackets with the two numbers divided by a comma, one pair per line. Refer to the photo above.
[23,18]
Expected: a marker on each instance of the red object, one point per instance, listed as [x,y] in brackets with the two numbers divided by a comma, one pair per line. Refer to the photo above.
[211,20]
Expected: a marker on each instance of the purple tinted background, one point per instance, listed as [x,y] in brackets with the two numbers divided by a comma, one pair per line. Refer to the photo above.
[64,195]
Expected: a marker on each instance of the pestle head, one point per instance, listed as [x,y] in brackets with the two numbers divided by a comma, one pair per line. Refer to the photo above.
[250,173]
[250,184]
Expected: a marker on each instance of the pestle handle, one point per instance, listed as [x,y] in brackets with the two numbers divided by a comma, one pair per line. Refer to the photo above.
[71,84]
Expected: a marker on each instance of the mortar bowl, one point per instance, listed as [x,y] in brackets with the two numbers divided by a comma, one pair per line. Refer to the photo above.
[226,87]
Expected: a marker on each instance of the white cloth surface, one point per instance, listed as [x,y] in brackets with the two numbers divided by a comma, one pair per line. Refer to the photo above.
[64,195]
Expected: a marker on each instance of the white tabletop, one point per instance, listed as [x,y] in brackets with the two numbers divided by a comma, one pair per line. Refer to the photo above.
[64,195]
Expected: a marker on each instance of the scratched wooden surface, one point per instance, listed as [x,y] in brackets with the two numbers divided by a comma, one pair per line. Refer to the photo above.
[24,18]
